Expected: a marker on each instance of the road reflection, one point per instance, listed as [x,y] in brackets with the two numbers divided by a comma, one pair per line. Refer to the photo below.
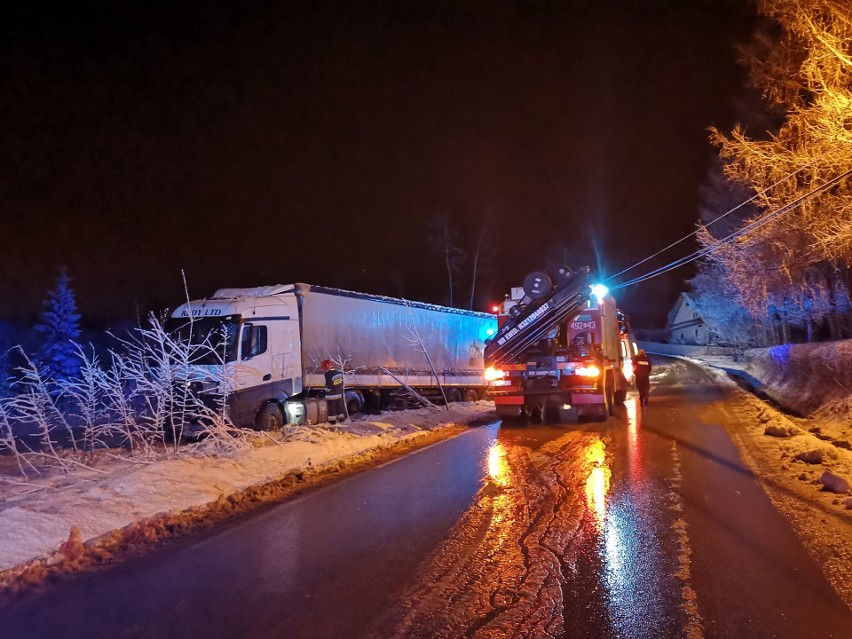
[498,467]
[597,483]
[622,530]
[634,450]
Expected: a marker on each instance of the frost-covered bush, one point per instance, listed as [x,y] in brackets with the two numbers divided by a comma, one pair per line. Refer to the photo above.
[139,400]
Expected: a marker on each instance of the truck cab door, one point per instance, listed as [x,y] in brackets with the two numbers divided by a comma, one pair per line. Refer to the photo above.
[255,364]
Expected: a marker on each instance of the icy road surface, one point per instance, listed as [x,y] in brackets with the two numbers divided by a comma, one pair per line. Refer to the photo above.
[648,525]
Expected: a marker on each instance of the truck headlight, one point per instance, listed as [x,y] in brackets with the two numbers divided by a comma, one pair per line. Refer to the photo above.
[295,412]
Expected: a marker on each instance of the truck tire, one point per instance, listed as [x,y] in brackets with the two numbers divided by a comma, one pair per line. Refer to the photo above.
[537,285]
[453,395]
[534,413]
[353,404]
[610,395]
[470,395]
[269,418]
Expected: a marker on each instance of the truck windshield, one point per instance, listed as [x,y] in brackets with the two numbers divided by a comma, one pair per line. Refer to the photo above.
[213,339]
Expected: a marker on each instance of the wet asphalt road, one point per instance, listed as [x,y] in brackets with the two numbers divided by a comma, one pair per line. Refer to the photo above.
[647,525]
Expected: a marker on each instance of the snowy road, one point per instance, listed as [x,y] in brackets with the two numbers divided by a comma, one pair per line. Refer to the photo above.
[646,526]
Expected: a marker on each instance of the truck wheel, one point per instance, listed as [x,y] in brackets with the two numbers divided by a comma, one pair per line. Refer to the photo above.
[610,396]
[269,418]
[470,395]
[353,405]
[620,396]
[535,413]
[453,395]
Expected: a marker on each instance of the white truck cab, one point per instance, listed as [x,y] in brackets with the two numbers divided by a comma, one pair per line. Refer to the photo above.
[253,331]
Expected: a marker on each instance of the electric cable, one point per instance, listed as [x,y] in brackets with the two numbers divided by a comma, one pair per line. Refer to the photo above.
[732,236]
[737,207]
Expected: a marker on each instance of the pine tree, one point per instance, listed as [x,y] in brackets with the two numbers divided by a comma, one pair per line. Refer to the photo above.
[59,328]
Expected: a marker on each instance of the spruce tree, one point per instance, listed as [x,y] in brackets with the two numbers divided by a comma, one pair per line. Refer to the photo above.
[59,327]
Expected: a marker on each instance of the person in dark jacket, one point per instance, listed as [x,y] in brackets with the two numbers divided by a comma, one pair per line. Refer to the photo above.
[333,392]
[642,375]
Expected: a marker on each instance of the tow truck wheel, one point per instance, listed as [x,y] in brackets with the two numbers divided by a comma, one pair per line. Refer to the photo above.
[269,418]
[610,396]
[535,414]
[526,415]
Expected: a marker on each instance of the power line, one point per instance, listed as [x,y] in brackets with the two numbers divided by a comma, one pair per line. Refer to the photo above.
[733,236]
[737,207]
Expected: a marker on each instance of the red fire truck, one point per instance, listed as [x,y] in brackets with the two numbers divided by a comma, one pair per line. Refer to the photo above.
[560,350]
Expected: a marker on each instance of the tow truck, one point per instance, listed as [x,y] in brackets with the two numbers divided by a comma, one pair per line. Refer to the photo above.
[561,349]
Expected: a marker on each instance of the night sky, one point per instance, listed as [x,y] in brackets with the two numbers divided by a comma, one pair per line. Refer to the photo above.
[257,143]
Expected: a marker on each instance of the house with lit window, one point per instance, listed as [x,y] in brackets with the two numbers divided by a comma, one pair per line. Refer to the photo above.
[685,324]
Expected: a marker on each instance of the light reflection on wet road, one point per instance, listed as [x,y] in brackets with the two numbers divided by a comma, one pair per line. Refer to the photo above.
[571,538]
[643,527]
[646,526]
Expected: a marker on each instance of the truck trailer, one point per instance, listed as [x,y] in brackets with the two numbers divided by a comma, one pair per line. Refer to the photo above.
[560,349]
[272,341]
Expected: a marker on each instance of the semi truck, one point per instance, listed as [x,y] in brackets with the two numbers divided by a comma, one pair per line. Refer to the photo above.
[272,340]
[560,349]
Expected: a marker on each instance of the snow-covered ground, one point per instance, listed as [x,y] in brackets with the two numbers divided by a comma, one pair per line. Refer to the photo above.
[51,520]
[803,461]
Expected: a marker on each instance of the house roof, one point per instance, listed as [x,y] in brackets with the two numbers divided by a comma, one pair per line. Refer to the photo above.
[683,299]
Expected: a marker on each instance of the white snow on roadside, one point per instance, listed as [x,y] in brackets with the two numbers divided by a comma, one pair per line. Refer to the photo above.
[36,516]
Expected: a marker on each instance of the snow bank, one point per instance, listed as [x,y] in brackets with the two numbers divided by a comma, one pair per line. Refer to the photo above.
[806,378]
[37,516]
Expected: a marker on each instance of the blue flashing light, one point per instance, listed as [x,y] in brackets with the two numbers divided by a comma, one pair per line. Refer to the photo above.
[599,291]
[487,330]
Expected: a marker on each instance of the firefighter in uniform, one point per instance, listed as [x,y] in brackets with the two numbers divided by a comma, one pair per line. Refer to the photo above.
[642,375]
[333,392]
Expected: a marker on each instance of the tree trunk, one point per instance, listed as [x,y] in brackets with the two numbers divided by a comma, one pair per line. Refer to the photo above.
[848,282]
[475,269]
[833,314]
[449,273]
